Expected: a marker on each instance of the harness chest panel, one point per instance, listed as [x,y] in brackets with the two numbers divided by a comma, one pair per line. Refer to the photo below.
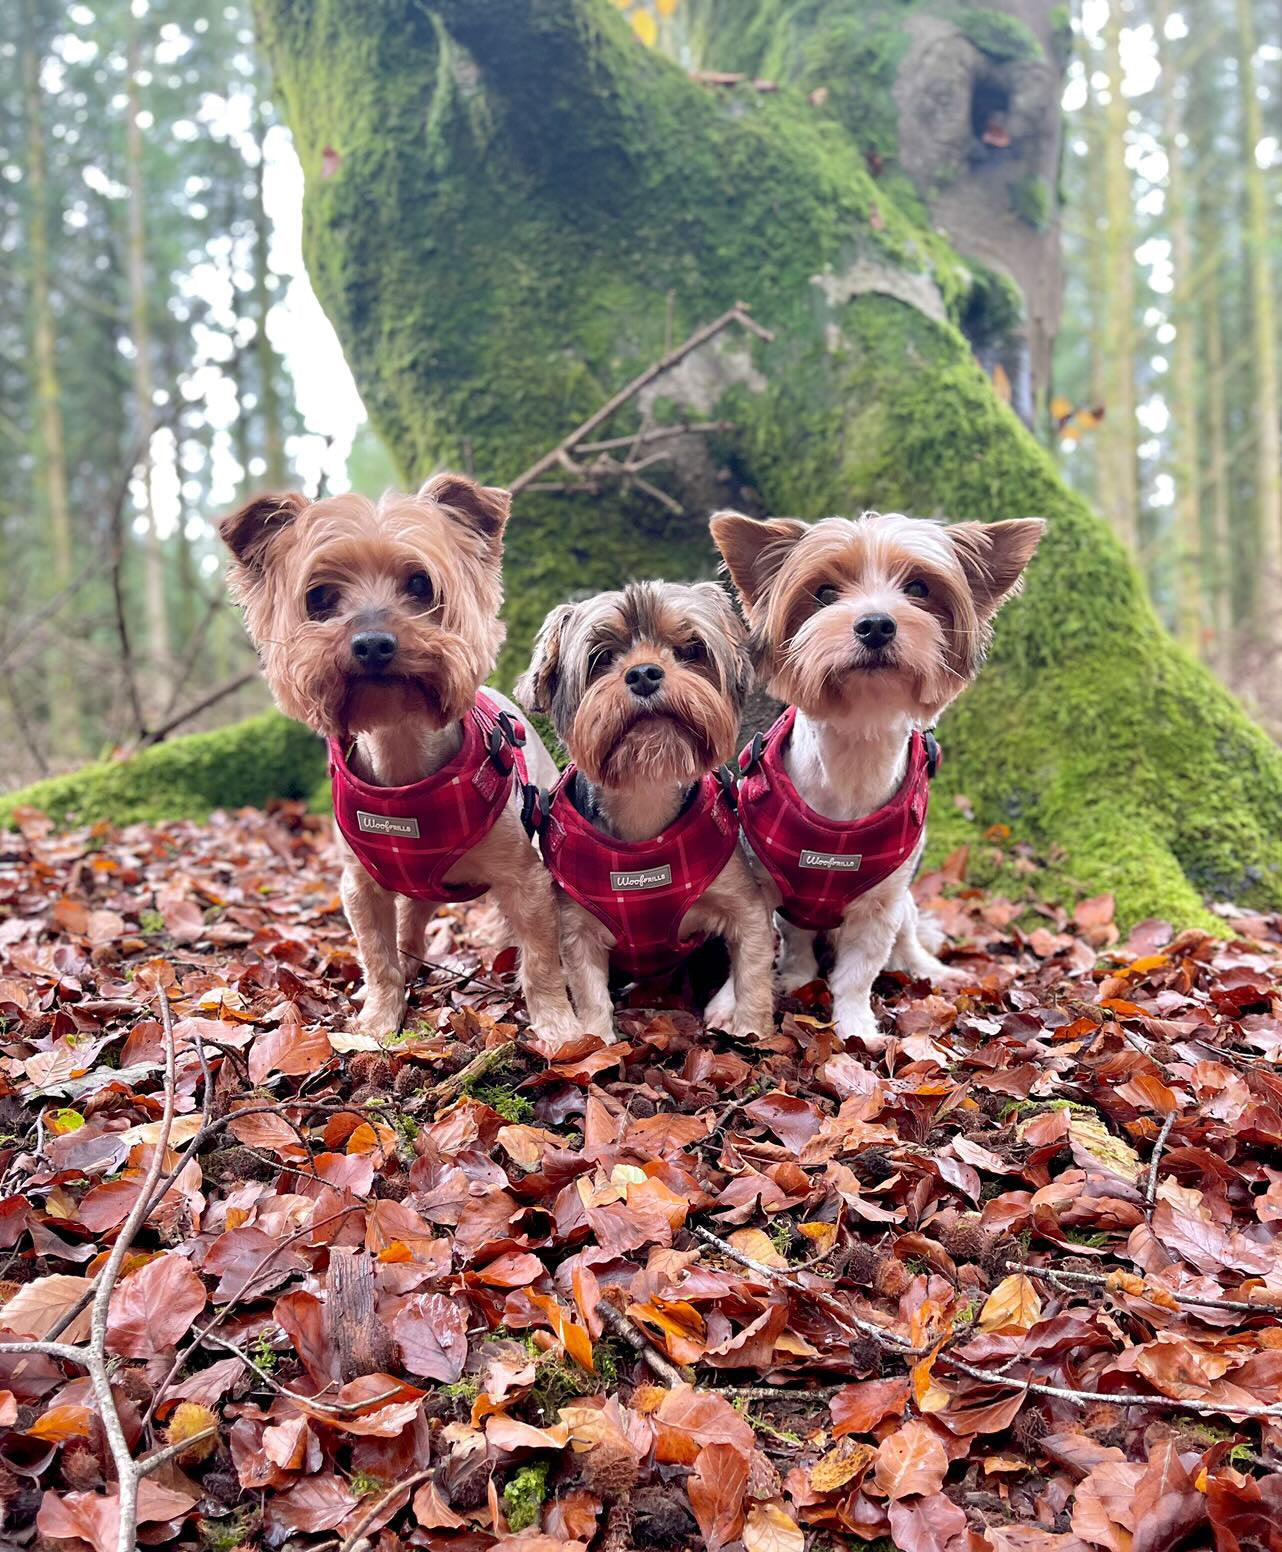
[408,838]
[821,865]
[642,890]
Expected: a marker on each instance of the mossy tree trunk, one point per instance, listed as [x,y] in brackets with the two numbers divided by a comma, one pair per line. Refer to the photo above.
[504,200]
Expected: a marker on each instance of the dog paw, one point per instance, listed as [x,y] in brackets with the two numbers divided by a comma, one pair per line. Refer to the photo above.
[380,1016]
[860,1024]
[723,1012]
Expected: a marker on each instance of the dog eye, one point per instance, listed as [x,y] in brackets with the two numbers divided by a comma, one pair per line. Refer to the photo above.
[419,585]
[322,600]
[916,588]
[600,661]
[825,596]
[692,651]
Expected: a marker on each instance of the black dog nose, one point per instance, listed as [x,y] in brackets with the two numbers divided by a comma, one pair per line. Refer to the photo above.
[875,631]
[373,649]
[644,679]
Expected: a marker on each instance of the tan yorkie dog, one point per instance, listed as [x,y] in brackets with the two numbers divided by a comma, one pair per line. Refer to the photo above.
[645,687]
[377,624]
[869,629]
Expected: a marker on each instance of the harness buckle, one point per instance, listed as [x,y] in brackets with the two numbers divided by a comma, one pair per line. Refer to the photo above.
[535,804]
[513,731]
[751,756]
[499,751]
[729,786]
[934,754]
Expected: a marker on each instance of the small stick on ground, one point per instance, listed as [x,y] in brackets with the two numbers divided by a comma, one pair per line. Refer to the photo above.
[1150,1196]
[627,1332]
[495,1056]
[355,1540]
[1100,1280]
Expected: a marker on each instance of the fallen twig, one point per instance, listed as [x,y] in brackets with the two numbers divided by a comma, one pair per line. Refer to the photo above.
[627,1331]
[1150,1196]
[354,1541]
[1100,1280]
[494,1056]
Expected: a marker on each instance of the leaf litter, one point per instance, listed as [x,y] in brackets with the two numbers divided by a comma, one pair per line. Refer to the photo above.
[1006,1279]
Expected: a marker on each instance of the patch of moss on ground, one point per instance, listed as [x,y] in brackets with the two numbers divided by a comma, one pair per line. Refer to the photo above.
[524,1495]
[999,36]
[248,763]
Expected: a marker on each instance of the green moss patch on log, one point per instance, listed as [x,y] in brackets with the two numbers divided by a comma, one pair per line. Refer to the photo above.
[249,763]
[999,36]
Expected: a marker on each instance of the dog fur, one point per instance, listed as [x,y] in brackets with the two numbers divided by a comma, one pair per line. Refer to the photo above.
[641,756]
[808,591]
[426,568]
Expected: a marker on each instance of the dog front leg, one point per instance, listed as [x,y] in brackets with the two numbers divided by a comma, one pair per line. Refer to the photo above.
[587,968]
[797,963]
[526,898]
[863,944]
[745,1004]
[911,955]
[371,913]
[412,917]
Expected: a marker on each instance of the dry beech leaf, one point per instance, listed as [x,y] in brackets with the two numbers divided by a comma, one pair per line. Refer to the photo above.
[1014,1304]
[911,1462]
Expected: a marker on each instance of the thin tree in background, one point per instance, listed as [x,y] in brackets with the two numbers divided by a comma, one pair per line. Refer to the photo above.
[1268,401]
[157,614]
[1184,459]
[1117,458]
[276,473]
[52,447]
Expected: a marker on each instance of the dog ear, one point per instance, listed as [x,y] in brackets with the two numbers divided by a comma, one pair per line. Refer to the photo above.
[753,549]
[735,633]
[250,531]
[993,556]
[482,508]
[537,685]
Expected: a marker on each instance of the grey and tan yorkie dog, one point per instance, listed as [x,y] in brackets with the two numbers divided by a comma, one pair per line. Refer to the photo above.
[377,624]
[867,630]
[645,687]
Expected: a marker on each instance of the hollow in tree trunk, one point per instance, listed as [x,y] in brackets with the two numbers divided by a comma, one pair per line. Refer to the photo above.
[505,200]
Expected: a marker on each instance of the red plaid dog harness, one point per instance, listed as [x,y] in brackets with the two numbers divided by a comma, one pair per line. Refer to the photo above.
[641,890]
[820,865]
[408,838]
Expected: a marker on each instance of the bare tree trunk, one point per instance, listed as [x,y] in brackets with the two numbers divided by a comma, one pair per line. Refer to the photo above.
[276,475]
[153,553]
[1185,462]
[1268,401]
[1119,479]
[1217,483]
[63,710]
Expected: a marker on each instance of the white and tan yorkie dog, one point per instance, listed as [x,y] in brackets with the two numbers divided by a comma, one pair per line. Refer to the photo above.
[867,630]
[377,624]
[645,687]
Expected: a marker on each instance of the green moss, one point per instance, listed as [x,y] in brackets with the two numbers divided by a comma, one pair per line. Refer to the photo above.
[1061,24]
[1032,202]
[524,1495]
[249,763]
[999,36]
[222,1533]
[994,307]
[512,1106]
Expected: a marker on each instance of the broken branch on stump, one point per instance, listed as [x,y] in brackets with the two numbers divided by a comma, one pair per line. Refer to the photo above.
[737,314]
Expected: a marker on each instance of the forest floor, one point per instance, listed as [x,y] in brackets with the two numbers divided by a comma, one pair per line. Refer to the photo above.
[1011,1281]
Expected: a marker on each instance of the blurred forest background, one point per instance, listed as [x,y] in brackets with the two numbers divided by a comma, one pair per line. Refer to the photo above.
[162,355]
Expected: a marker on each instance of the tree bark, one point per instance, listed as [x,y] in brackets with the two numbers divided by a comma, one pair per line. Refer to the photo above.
[156,604]
[1268,395]
[1185,462]
[502,195]
[276,474]
[63,698]
[1119,479]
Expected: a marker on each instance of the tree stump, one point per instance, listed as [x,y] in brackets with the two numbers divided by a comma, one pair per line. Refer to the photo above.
[362,1341]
